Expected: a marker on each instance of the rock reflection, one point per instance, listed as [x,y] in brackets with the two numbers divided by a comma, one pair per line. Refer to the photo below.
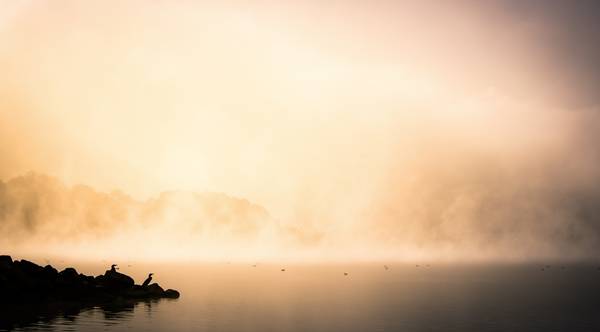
[15,316]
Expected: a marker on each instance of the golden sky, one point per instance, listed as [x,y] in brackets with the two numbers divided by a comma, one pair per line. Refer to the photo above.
[404,119]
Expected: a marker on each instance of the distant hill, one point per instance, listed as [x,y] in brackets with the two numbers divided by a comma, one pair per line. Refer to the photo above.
[36,205]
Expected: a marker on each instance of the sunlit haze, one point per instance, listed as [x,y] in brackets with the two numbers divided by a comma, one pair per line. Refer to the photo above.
[299,130]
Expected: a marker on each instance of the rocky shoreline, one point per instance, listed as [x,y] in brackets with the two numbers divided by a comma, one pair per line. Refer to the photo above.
[22,280]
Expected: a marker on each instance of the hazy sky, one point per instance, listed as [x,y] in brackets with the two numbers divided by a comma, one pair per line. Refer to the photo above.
[436,125]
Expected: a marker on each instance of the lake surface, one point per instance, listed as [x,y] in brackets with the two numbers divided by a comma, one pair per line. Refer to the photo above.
[240,297]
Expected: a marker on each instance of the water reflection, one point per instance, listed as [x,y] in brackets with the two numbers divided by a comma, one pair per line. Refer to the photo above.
[319,298]
[51,314]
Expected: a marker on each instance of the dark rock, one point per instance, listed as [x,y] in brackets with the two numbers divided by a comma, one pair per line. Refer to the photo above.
[171,293]
[5,261]
[48,272]
[86,280]
[68,276]
[28,267]
[155,289]
[28,282]
[116,280]
[18,278]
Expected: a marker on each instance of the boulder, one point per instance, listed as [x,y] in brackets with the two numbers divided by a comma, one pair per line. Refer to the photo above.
[116,280]
[28,267]
[50,273]
[68,282]
[68,275]
[171,294]
[155,289]
[20,280]
[5,262]
[87,280]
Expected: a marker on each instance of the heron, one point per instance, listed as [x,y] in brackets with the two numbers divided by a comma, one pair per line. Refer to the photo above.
[147,281]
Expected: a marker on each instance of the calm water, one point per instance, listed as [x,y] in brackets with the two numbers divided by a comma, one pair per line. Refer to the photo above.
[239,297]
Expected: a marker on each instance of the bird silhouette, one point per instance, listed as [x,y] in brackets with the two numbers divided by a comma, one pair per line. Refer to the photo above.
[148,280]
[386,267]
[282,270]
[114,268]
[345,273]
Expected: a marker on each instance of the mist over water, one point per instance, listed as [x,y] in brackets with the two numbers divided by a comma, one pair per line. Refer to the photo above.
[225,132]
[445,191]
[512,184]
[322,151]
[300,165]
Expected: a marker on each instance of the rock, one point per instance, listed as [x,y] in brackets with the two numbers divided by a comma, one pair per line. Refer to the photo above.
[171,294]
[86,280]
[5,262]
[68,284]
[68,275]
[155,289]
[28,267]
[26,282]
[18,278]
[116,280]
[48,272]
